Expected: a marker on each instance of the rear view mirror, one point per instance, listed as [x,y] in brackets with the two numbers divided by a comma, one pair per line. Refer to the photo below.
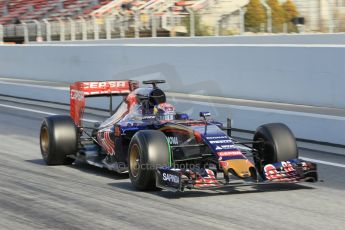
[205,114]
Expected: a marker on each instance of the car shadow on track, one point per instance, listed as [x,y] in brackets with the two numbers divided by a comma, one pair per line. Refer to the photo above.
[233,191]
[126,185]
[219,192]
[36,161]
[86,168]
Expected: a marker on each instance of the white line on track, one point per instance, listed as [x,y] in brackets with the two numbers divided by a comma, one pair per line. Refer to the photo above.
[323,162]
[88,120]
[258,109]
[38,111]
[185,45]
[34,85]
[244,107]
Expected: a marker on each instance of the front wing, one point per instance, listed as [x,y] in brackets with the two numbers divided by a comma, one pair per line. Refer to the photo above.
[292,171]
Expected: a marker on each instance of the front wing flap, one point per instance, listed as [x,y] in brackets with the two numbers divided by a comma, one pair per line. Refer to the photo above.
[290,171]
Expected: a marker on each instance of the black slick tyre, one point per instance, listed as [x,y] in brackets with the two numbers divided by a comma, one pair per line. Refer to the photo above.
[147,150]
[277,144]
[58,139]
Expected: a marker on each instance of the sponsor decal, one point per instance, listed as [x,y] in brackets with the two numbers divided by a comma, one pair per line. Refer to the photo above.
[224,164]
[106,142]
[220,141]
[227,146]
[207,181]
[171,178]
[148,117]
[287,166]
[229,153]
[166,107]
[104,84]
[77,95]
[286,171]
[271,172]
[173,140]
[305,167]
[217,137]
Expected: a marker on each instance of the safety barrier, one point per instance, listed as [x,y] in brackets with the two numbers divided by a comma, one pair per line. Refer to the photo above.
[296,74]
[309,75]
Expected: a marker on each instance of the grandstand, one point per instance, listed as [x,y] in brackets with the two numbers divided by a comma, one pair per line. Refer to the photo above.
[87,18]
[40,20]
[12,11]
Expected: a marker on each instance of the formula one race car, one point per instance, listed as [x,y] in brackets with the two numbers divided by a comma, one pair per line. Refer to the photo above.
[160,147]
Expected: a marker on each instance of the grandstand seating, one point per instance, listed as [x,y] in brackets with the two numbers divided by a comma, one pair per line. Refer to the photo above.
[21,10]
[110,18]
[16,11]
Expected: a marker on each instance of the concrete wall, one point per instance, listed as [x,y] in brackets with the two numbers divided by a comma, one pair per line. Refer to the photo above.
[338,38]
[298,74]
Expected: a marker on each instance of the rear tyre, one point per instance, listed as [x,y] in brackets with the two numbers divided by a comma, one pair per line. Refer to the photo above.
[147,151]
[58,138]
[278,144]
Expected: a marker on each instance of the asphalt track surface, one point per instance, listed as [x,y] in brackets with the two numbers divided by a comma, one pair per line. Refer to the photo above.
[35,196]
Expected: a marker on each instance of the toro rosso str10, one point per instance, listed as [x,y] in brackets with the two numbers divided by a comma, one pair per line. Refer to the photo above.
[160,147]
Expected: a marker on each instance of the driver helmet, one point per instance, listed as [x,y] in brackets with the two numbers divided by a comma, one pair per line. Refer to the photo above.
[156,97]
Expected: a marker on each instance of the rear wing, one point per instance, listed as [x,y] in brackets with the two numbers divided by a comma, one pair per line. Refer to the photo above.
[80,90]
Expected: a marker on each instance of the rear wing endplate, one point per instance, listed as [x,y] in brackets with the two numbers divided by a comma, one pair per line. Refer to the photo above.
[80,90]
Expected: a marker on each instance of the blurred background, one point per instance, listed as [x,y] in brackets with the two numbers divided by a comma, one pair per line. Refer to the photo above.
[23,21]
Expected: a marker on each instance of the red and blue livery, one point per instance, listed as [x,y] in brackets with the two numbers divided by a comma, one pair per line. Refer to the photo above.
[160,147]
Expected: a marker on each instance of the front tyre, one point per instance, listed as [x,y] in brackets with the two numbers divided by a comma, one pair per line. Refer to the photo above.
[58,139]
[276,143]
[147,151]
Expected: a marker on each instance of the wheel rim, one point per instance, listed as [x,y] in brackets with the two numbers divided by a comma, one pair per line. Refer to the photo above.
[134,160]
[44,137]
